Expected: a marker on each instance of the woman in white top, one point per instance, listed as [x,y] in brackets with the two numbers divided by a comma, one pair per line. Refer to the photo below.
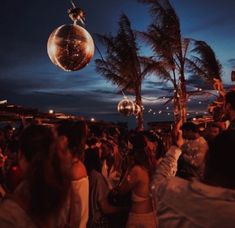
[77,210]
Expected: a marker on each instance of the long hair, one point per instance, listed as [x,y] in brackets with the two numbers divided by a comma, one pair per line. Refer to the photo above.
[142,155]
[92,160]
[47,177]
[76,133]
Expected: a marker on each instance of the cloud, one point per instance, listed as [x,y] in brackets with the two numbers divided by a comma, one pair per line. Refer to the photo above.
[198,82]
[231,63]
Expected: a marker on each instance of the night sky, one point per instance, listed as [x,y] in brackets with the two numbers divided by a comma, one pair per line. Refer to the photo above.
[28,78]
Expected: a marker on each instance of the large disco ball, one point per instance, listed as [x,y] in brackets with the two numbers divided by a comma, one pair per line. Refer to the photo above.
[126,107]
[70,47]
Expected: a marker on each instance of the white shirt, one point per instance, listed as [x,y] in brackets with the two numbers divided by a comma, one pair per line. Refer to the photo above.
[190,204]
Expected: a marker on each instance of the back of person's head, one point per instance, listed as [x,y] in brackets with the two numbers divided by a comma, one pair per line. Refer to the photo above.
[220,168]
[230,98]
[93,142]
[142,156]
[189,130]
[213,129]
[92,160]
[189,126]
[76,133]
[46,174]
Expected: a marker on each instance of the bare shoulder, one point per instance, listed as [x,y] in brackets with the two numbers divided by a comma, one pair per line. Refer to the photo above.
[137,171]
[78,170]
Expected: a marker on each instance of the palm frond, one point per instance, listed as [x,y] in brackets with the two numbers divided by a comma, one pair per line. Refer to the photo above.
[206,61]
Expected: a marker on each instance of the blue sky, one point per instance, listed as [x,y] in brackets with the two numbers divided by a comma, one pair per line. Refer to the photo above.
[27,77]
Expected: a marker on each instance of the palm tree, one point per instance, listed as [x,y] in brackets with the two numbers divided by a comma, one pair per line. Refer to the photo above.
[207,66]
[170,52]
[172,55]
[121,64]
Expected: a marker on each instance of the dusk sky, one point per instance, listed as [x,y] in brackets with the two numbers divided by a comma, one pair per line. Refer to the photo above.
[28,77]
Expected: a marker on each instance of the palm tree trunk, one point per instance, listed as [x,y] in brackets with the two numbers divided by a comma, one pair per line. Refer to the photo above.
[140,116]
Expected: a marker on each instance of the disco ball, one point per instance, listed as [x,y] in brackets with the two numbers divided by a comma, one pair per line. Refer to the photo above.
[126,107]
[70,47]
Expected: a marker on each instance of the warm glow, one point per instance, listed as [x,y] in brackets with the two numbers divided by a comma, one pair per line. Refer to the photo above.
[70,47]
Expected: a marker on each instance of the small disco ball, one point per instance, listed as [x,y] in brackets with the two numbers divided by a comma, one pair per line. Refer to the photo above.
[70,47]
[137,109]
[126,107]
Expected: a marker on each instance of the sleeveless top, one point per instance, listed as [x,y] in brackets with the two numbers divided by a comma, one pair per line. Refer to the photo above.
[137,198]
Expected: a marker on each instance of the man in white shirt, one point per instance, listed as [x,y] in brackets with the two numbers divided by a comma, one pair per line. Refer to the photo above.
[189,204]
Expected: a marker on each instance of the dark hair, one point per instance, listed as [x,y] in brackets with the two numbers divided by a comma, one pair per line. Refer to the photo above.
[189,126]
[46,176]
[76,133]
[220,167]
[153,137]
[215,125]
[92,160]
[230,98]
[140,152]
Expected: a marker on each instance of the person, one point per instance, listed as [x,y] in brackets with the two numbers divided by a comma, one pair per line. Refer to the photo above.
[229,108]
[100,208]
[111,162]
[75,133]
[213,129]
[39,198]
[194,150]
[155,143]
[191,203]
[137,181]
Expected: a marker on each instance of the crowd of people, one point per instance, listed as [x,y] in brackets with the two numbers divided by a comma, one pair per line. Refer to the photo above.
[72,174]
